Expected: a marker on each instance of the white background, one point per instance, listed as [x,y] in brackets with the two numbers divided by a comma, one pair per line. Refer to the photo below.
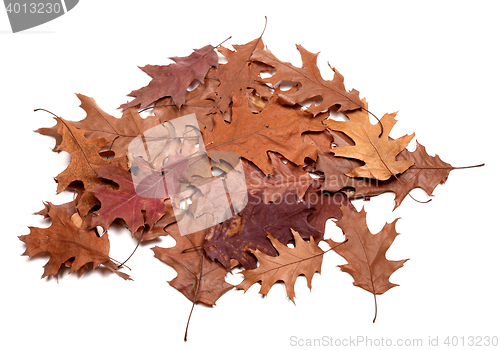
[437,62]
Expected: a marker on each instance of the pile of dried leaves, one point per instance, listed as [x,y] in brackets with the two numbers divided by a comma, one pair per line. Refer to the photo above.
[301,168]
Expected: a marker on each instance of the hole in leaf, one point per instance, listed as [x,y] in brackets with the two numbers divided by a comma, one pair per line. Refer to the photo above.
[99,231]
[193,85]
[222,59]
[285,85]
[268,73]
[340,117]
[313,101]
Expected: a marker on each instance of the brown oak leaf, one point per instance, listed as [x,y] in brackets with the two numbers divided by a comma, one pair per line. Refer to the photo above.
[426,173]
[158,229]
[125,203]
[248,230]
[67,244]
[311,83]
[378,153]
[276,128]
[174,79]
[85,157]
[198,278]
[304,259]
[365,252]
[286,177]
[121,131]
[239,73]
[199,101]
[326,205]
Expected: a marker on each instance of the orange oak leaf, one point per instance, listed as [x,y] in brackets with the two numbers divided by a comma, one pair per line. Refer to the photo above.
[286,177]
[277,128]
[311,83]
[365,253]
[304,259]
[67,244]
[198,278]
[239,73]
[174,79]
[378,153]
[85,157]
[125,203]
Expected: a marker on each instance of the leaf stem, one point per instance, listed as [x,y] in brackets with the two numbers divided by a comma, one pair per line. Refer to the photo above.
[378,120]
[223,42]
[468,167]
[265,26]
[195,299]
[138,243]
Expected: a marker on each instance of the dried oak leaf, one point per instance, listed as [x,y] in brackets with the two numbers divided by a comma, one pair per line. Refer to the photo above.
[311,84]
[99,124]
[198,278]
[174,79]
[125,203]
[121,131]
[85,157]
[158,229]
[84,200]
[276,128]
[235,238]
[365,252]
[286,177]
[199,101]
[304,259]
[69,208]
[378,153]
[66,243]
[239,73]
[426,173]
[326,205]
